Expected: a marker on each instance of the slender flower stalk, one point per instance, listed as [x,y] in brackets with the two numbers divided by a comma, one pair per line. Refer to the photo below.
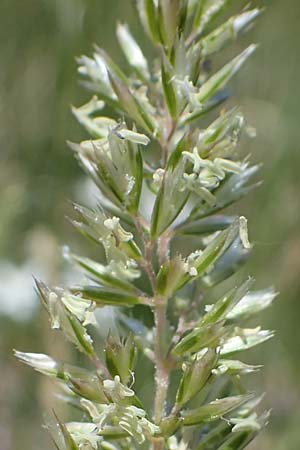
[167,165]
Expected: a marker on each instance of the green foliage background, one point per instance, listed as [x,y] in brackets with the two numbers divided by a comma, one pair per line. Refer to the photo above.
[39,40]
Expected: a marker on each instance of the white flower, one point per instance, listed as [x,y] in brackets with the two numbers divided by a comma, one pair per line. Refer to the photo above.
[116,390]
[84,433]
[158,177]
[113,224]
[81,308]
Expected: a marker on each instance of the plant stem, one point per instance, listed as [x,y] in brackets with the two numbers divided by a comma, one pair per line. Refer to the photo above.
[162,371]
[160,303]
[164,247]
[160,315]
[159,444]
[162,365]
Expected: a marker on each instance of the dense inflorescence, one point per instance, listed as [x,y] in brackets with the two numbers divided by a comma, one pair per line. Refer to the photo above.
[167,162]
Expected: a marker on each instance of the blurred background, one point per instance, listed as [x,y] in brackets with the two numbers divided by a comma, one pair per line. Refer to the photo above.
[39,40]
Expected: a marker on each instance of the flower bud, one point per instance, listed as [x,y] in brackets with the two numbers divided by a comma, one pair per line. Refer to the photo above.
[195,376]
[132,51]
[120,357]
[90,388]
[214,410]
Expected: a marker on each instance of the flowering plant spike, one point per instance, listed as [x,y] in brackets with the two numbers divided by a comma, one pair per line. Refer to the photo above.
[167,163]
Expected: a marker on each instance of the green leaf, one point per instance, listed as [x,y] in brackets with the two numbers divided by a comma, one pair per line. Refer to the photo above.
[220,435]
[170,200]
[216,248]
[205,226]
[252,303]
[243,339]
[69,441]
[105,275]
[60,435]
[214,436]
[217,39]
[120,357]
[90,388]
[195,376]
[229,263]
[230,191]
[104,297]
[206,12]
[57,437]
[216,82]
[199,338]
[169,425]
[220,137]
[184,142]
[118,243]
[170,275]
[237,441]
[168,18]
[41,363]
[201,110]
[131,104]
[177,272]
[213,410]
[116,165]
[137,170]
[62,317]
[82,382]
[222,308]
[111,433]
[250,423]
[81,338]
[97,163]
[183,16]
[168,87]
[234,367]
[151,15]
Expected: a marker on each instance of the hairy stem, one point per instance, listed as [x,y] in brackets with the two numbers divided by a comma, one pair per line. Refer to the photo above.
[164,247]
[162,368]
[160,316]
[162,371]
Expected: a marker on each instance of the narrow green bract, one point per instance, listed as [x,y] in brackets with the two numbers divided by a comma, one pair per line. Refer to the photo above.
[167,165]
